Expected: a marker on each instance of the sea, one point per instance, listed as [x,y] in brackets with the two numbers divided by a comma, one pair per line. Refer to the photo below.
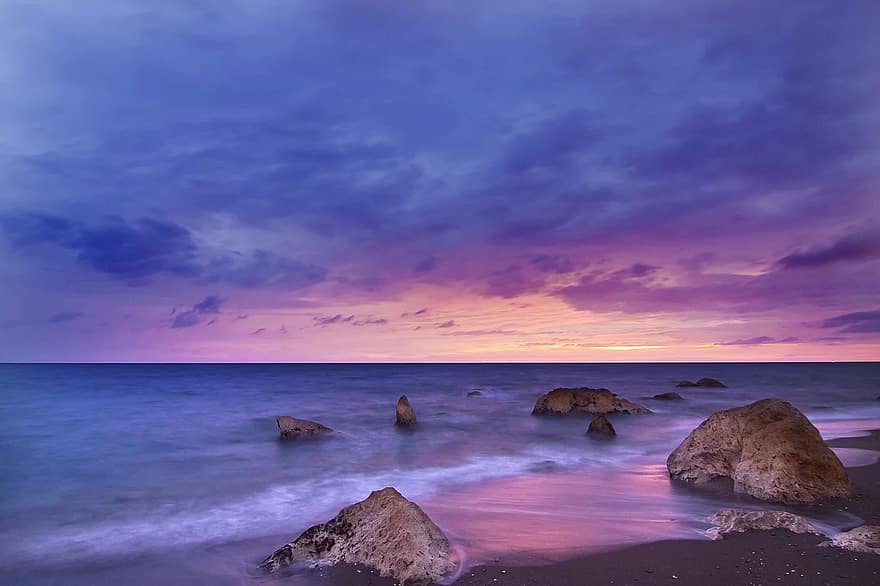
[174,473]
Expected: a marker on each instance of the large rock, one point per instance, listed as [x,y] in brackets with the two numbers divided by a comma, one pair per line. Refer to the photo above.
[584,400]
[769,449]
[385,532]
[405,414]
[703,382]
[290,428]
[864,539]
[740,521]
[601,427]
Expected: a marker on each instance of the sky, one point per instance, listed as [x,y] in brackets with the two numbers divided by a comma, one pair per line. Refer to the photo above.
[388,180]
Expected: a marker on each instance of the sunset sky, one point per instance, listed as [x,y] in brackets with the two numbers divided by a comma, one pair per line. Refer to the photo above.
[343,180]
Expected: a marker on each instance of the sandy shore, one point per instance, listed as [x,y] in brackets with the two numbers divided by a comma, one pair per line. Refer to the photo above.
[775,557]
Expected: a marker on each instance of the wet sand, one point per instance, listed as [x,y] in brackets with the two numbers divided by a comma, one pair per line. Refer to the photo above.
[773,557]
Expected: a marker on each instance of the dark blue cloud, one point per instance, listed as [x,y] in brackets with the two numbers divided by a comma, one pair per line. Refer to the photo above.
[210,305]
[64,316]
[854,247]
[858,322]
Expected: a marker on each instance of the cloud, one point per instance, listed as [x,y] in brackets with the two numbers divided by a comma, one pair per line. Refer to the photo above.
[64,316]
[418,313]
[210,305]
[321,321]
[446,324]
[760,340]
[133,251]
[859,322]
[258,332]
[854,247]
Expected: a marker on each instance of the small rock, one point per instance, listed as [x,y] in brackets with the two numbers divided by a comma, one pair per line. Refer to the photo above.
[600,426]
[290,428]
[864,539]
[740,521]
[703,382]
[405,414]
[671,396]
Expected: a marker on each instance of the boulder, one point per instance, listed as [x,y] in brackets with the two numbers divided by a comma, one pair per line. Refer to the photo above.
[769,450]
[405,414]
[475,393]
[600,426]
[672,396]
[385,532]
[703,382]
[290,428]
[740,521]
[584,400]
[864,539]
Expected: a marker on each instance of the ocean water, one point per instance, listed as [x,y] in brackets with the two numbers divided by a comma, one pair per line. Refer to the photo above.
[149,474]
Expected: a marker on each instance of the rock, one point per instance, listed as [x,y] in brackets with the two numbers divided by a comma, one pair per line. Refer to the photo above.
[769,449]
[405,414]
[385,532]
[584,400]
[475,393]
[290,428]
[740,521]
[672,396]
[703,382]
[600,426]
[864,539]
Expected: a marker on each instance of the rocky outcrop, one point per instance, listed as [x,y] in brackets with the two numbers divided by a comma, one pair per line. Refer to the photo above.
[290,428]
[584,400]
[740,521]
[405,415]
[864,539]
[769,450]
[672,396]
[385,531]
[703,382]
[601,427]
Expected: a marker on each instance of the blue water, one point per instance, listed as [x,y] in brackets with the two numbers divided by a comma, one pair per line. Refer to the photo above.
[146,473]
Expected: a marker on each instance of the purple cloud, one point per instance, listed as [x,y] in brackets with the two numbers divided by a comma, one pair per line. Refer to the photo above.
[859,322]
[760,340]
[210,305]
[854,247]
[63,316]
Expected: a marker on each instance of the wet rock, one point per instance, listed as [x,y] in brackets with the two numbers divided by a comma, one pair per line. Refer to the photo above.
[769,449]
[740,521]
[290,428]
[584,400]
[601,427]
[703,382]
[864,539]
[385,532]
[405,414]
[671,396]
[475,394]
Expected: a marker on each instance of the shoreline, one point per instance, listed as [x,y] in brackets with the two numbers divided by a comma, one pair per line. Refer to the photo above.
[764,557]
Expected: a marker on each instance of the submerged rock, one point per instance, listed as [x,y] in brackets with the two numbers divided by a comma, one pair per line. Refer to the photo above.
[671,396]
[703,382]
[769,449]
[385,531]
[864,539]
[600,426]
[740,521]
[290,428]
[585,400]
[405,414]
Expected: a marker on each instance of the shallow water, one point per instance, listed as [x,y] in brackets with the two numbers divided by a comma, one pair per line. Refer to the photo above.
[149,473]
